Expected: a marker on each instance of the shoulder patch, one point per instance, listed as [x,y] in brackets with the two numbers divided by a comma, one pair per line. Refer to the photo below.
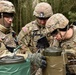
[25,29]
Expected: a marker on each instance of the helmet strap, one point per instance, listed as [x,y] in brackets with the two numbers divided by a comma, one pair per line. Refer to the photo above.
[65,32]
[59,33]
[2,19]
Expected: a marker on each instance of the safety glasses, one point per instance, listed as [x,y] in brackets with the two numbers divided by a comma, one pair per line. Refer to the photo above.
[55,32]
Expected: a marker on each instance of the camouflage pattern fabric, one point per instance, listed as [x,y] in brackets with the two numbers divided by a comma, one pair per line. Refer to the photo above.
[30,33]
[69,46]
[6,6]
[56,21]
[6,39]
[43,10]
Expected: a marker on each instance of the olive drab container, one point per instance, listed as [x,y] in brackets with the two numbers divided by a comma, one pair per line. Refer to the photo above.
[56,60]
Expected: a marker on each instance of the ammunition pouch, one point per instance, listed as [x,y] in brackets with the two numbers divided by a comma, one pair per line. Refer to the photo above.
[71,65]
[71,59]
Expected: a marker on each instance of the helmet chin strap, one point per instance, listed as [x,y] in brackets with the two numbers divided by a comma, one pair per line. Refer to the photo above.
[2,19]
[64,34]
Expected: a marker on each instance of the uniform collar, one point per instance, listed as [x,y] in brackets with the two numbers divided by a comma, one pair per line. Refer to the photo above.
[4,29]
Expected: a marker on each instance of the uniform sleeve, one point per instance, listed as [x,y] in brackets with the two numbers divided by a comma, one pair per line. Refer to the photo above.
[23,38]
[23,34]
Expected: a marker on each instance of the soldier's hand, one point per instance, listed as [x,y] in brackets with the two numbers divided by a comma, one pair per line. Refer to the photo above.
[38,59]
[43,62]
[23,49]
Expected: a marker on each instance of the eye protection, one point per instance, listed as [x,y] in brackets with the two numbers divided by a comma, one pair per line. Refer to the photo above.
[55,32]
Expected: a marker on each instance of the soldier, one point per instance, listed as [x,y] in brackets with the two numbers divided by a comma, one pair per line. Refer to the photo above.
[7,12]
[32,31]
[59,28]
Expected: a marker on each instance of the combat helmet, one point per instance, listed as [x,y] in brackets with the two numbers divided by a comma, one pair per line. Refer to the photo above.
[6,7]
[57,21]
[43,10]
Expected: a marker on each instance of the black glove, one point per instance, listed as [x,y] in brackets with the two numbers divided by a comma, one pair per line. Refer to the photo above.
[38,59]
[43,62]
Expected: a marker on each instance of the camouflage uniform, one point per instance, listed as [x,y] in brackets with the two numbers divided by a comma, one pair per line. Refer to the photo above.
[70,48]
[6,39]
[59,21]
[34,33]
[5,32]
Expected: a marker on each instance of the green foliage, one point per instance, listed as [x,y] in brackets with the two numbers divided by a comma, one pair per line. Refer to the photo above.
[72,16]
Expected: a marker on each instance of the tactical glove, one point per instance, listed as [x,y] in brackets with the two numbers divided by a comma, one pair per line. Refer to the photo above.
[38,59]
